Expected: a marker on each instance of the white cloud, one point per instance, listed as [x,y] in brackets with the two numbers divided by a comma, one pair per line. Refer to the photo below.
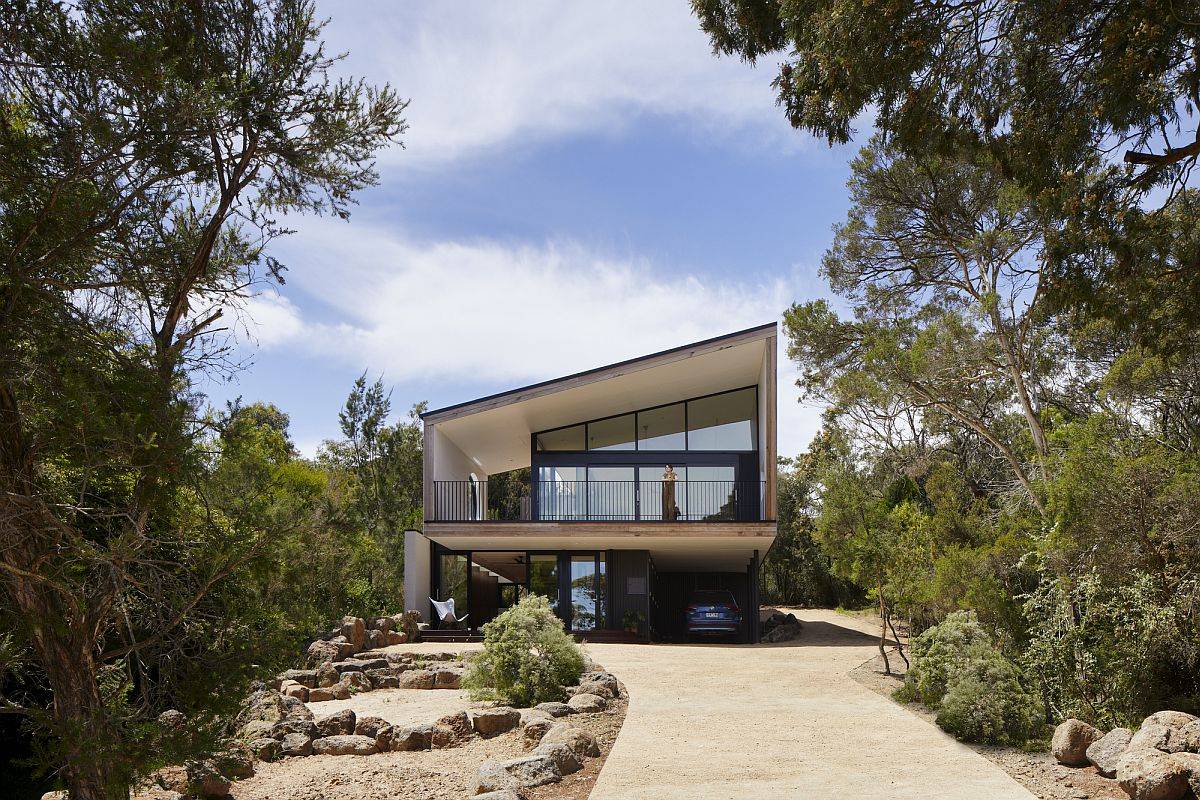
[270,319]
[491,315]
[483,74]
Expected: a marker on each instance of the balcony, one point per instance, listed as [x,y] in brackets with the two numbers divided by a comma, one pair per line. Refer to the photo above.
[600,501]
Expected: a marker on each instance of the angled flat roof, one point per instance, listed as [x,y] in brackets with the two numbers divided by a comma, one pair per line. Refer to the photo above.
[494,431]
[596,373]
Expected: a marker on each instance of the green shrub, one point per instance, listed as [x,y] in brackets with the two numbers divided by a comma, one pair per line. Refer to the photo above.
[988,704]
[527,657]
[941,652]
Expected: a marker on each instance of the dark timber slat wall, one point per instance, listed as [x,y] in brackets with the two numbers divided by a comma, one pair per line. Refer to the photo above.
[628,564]
[672,590]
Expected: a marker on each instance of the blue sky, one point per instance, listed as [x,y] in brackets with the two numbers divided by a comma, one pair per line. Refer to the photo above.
[581,183]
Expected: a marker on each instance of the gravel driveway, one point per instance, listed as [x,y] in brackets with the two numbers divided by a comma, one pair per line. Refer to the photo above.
[775,721]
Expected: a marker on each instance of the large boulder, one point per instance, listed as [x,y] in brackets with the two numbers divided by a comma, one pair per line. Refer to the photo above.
[502,794]
[304,677]
[322,652]
[287,726]
[1151,736]
[451,730]
[416,679]
[1105,752]
[235,764]
[554,709]
[582,743]
[585,703]
[205,780]
[339,722]
[345,745]
[448,678]
[495,721]
[563,756]
[355,631]
[787,632]
[533,732]
[516,774]
[327,675]
[376,639]
[263,705]
[256,729]
[1187,738]
[265,749]
[295,709]
[384,624]
[1149,774]
[378,729]
[293,689]
[395,637]
[416,737]
[1172,719]
[356,682]
[296,744]
[172,778]
[599,683]
[1071,740]
[410,626]
[360,664]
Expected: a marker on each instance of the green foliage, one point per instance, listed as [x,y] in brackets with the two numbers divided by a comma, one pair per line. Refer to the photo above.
[977,691]
[527,657]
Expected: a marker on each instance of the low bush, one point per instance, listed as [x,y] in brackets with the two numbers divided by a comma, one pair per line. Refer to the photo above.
[977,691]
[527,657]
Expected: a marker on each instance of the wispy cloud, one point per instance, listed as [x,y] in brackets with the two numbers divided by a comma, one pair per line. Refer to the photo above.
[487,313]
[483,75]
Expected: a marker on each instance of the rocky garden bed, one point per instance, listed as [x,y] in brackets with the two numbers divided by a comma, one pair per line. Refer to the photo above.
[1158,761]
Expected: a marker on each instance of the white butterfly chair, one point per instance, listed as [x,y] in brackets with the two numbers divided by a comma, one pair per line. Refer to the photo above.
[445,612]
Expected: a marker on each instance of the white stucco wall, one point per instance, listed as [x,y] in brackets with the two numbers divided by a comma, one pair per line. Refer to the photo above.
[417,554]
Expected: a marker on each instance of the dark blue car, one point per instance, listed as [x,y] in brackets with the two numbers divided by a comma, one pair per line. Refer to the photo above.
[712,612]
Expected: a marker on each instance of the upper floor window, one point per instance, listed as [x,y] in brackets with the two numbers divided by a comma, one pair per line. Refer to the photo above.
[727,421]
[723,421]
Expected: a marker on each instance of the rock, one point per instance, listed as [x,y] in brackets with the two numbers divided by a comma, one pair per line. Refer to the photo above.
[1172,719]
[62,795]
[554,709]
[172,778]
[355,631]
[327,675]
[1071,740]
[582,743]
[345,647]
[376,639]
[1149,774]
[417,737]
[378,729]
[532,732]
[394,638]
[495,721]
[787,632]
[235,764]
[340,722]
[295,709]
[172,719]
[345,745]
[356,682]
[1151,736]
[265,749]
[322,652]
[563,756]
[1105,752]
[448,678]
[1191,766]
[360,665]
[529,715]
[451,730]
[503,794]
[205,780]
[264,705]
[296,690]
[410,625]
[585,703]
[320,695]
[384,624]
[385,682]
[304,677]
[302,726]
[416,679]
[1187,738]
[517,773]
[296,744]
[599,683]
[256,729]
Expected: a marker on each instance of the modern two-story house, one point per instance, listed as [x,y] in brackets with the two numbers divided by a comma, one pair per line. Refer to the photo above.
[617,492]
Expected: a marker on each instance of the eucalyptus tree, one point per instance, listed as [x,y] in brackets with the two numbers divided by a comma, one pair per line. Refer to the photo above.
[1090,107]
[148,153]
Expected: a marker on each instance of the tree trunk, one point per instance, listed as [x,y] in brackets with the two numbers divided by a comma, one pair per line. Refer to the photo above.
[883,623]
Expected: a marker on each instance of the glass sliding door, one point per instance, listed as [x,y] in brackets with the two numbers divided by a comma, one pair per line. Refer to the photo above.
[562,493]
[543,578]
[711,493]
[662,493]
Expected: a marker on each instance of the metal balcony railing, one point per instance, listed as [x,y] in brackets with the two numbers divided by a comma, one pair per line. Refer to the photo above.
[603,501]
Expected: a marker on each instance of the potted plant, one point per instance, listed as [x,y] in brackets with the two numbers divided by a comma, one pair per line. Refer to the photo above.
[633,621]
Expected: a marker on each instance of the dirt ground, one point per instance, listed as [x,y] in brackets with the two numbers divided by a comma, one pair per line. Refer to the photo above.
[1038,771]
[400,707]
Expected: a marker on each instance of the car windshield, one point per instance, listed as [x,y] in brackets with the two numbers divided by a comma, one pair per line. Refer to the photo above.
[712,598]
